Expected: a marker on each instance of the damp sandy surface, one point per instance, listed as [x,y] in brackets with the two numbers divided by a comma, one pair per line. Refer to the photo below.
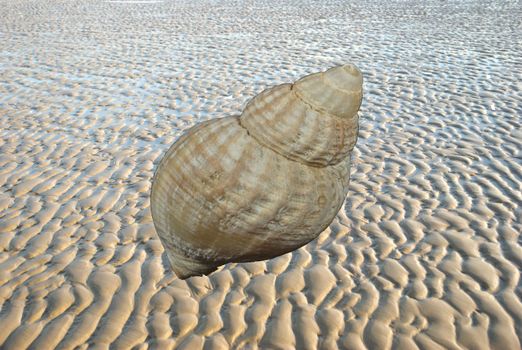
[426,253]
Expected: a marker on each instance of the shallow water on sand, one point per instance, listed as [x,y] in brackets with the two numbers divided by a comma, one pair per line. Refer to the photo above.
[425,254]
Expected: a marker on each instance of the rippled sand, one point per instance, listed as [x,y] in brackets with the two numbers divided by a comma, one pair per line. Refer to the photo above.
[425,255]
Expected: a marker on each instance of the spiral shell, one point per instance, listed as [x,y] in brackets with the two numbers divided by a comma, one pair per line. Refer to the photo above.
[255,186]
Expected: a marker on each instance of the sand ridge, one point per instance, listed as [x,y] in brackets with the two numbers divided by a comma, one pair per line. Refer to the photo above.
[425,253]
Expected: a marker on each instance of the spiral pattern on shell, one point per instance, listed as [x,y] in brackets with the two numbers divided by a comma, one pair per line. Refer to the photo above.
[253,187]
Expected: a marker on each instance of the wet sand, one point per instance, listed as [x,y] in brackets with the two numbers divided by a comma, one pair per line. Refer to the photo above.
[425,254]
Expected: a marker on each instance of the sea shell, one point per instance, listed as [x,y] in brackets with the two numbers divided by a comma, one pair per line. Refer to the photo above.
[256,186]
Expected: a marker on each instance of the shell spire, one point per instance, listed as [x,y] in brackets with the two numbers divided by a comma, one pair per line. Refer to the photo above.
[313,121]
[338,91]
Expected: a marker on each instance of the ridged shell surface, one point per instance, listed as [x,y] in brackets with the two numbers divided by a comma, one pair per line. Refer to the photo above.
[310,136]
[235,189]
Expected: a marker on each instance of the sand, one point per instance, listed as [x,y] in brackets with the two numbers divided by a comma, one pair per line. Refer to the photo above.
[425,254]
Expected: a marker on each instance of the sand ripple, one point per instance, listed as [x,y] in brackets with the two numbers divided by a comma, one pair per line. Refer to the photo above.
[425,254]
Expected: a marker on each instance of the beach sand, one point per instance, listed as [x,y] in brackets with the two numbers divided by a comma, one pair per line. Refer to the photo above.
[425,254]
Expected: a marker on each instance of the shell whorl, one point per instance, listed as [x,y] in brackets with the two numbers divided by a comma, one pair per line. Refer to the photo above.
[313,121]
[218,196]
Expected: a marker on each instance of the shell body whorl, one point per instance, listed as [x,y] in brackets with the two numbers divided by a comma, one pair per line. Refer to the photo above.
[234,190]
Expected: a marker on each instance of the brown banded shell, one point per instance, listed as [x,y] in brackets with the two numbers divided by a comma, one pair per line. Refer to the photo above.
[253,187]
